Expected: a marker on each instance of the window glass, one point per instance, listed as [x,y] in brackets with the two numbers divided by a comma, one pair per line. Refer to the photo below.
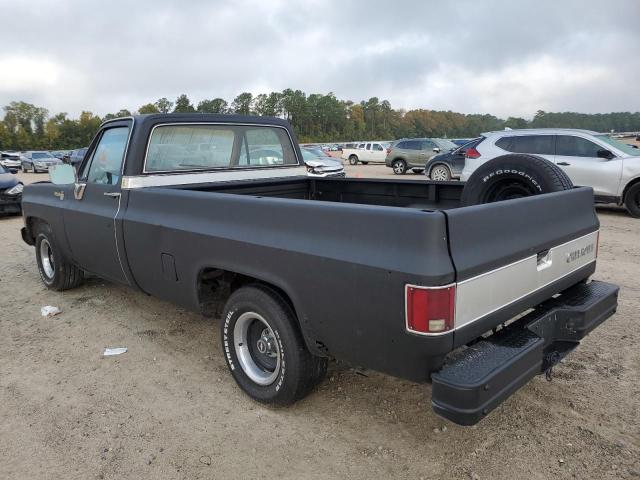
[377,147]
[203,147]
[428,145]
[536,144]
[413,145]
[361,145]
[107,158]
[576,147]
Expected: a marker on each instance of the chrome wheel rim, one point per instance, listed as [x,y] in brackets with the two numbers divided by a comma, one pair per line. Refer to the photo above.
[398,167]
[440,174]
[46,259]
[257,348]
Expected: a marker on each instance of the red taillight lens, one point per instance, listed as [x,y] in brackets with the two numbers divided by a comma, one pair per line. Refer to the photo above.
[430,310]
[472,153]
[388,150]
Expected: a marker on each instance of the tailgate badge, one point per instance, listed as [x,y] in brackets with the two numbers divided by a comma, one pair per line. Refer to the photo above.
[60,195]
[579,253]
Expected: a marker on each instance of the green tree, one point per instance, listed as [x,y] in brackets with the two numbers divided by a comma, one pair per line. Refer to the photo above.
[148,108]
[183,105]
[163,105]
[242,104]
[217,105]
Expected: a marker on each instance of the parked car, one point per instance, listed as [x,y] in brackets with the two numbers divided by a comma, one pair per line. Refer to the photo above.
[10,160]
[75,156]
[10,192]
[320,164]
[609,166]
[286,251]
[448,165]
[365,153]
[413,153]
[38,161]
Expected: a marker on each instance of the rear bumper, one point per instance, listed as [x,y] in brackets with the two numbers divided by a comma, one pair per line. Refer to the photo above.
[476,379]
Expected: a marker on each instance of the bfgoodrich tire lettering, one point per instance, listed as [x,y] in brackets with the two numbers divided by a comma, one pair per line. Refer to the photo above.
[298,371]
[513,176]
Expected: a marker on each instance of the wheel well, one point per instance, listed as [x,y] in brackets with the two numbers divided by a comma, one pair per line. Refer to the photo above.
[353,155]
[399,159]
[633,182]
[31,223]
[215,285]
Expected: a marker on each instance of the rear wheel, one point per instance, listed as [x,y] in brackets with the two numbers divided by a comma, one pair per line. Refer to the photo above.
[440,173]
[264,348]
[513,176]
[632,200]
[353,160]
[55,271]
[399,167]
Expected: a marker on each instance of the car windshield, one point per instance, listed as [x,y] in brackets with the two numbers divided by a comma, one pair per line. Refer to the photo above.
[445,145]
[311,153]
[614,142]
[42,155]
[3,170]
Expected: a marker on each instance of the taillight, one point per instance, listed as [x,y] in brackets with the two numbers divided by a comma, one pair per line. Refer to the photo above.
[472,153]
[388,150]
[430,310]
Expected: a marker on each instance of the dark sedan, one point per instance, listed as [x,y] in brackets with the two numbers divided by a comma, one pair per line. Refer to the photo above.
[448,165]
[10,192]
[76,156]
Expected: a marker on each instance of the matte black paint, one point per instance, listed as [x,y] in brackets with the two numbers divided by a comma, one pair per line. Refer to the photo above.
[341,249]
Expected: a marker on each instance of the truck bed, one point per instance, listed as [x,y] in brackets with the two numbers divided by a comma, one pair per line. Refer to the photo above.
[419,194]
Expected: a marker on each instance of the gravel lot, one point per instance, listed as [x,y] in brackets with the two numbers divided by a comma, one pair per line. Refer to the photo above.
[168,409]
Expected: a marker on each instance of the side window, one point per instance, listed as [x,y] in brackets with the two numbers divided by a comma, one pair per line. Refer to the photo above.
[377,147]
[106,162]
[368,146]
[535,144]
[428,145]
[268,146]
[576,147]
[402,145]
[414,145]
[361,145]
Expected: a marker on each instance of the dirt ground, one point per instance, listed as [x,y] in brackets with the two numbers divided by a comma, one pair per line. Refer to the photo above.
[168,409]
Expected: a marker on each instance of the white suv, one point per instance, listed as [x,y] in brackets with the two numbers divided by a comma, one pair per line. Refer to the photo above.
[592,159]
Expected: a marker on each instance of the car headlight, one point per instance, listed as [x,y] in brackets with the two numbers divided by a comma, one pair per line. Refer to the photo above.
[15,190]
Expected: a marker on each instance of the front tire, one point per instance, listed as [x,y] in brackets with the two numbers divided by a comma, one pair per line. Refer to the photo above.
[55,271]
[632,200]
[264,348]
[353,160]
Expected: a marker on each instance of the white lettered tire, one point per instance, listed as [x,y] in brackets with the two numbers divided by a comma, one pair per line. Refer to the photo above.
[264,348]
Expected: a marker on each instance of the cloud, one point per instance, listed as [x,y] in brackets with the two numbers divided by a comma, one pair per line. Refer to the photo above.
[506,58]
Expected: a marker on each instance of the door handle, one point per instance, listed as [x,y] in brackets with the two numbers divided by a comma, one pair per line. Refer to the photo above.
[564,164]
[112,194]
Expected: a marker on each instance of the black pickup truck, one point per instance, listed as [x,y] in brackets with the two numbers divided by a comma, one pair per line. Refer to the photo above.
[395,276]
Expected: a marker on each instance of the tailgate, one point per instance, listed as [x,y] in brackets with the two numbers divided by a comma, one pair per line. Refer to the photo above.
[512,255]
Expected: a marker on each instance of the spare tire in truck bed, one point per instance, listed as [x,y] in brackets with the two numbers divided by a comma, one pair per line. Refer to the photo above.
[513,176]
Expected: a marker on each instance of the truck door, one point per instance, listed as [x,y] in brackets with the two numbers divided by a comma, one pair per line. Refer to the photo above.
[90,222]
[378,153]
[579,158]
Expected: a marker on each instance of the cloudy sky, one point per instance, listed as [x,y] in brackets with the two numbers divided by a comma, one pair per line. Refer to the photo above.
[490,56]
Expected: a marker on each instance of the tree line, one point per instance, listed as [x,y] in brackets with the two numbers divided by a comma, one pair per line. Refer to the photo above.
[315,118]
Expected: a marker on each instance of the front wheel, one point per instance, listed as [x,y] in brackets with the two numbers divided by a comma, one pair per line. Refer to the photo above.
[353,160]
[399,167]
[264,348]
[55,271]
[632,200]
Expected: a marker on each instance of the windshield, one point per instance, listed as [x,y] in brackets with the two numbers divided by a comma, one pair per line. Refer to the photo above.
[311,154]
[445,144]
[614,142]
[42,155]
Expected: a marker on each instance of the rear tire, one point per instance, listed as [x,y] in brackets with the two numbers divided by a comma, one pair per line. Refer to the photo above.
[399,167]
[513,176]
[632,200]
[264,348]
[55,271]
[440,173]
[353,160]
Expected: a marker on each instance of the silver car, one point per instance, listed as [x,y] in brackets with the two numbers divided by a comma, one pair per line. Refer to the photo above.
[38,161]
[319,164]
[597,160]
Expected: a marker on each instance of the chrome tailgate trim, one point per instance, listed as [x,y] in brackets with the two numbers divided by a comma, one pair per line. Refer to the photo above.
[491,291]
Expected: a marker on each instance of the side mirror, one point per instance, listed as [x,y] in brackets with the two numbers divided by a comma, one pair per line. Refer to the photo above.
[604,153]
[63,174]
[436,149]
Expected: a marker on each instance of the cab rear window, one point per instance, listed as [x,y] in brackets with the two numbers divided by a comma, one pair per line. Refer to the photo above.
[205,147]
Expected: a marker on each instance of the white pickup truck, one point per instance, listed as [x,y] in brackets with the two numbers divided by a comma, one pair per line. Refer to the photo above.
[366,152]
